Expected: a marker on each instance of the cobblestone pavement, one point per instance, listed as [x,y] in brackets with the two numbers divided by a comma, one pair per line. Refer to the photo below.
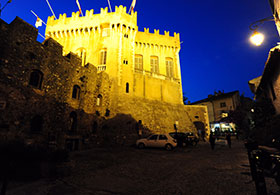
[127,170]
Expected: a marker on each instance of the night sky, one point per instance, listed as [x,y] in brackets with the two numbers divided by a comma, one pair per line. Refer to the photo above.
[215,53]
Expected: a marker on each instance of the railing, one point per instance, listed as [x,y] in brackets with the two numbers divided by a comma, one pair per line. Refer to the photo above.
[101,67]
[264,161]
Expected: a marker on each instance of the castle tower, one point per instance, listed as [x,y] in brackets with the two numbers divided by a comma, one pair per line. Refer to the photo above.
[141,64]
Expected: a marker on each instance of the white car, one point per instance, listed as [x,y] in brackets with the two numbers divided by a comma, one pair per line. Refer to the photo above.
[157,141]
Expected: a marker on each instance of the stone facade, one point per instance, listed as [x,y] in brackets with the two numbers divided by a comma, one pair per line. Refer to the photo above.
[135,60]
[269,83]
[60,99]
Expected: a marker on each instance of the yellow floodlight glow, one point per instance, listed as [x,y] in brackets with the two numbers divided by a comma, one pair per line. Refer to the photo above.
[257,38]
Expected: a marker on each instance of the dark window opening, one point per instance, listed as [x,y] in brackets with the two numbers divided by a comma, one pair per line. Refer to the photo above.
[36,124]
[223,104]
[127,88]
[107,113]
[36,78]
[76,92]
[94,127]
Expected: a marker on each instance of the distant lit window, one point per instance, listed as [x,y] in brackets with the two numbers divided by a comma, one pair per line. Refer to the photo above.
[76,92]
[36,78]
[138,62]
[223,104]
[103,56]
[169,67]
[154,64]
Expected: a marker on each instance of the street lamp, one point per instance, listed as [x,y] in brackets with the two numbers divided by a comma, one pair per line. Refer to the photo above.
[1,8]
[257,38]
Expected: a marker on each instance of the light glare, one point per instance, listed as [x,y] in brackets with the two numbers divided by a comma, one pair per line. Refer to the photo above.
[257,38]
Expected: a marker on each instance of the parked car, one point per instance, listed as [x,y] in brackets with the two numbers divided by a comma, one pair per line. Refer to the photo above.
[192,139]
[157,141]
[180,137]
[185,139]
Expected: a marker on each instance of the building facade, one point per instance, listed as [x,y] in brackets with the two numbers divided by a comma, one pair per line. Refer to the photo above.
[92,82]
[219,105]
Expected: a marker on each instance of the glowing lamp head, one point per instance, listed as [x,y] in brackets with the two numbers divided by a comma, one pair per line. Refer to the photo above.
[257,38]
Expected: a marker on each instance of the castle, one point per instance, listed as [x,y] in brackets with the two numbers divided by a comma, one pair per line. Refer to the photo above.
[94,76]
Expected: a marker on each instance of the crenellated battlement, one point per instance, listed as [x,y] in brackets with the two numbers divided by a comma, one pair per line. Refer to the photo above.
[90,17]
[157,32]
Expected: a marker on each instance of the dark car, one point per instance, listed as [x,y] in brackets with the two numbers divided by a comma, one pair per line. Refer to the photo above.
[184,139]
[192,139]
[180,137]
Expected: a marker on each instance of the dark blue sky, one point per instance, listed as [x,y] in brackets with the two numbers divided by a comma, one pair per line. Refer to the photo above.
[215,53]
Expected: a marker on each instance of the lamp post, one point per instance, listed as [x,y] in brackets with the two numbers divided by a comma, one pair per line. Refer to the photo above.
[2,8]
[257,38]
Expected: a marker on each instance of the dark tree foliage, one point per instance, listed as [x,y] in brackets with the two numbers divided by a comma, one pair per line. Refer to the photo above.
[241,116]
[185,99]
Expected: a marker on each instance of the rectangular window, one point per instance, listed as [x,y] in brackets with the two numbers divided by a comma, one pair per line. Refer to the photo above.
[103,56]
[154,64]
[169,67]
[138,62]
[105,32]
[223,104]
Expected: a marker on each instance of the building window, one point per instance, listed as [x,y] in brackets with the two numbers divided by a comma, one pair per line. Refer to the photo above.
[154,64]
[103,56]
[36,78]
[99,100]
[125,62]
[138,62]
[36,124]
[272,91]
[223,104]
[82,54]
[76,92]
[127,88]
[169,67]
[73,121]
[105,32]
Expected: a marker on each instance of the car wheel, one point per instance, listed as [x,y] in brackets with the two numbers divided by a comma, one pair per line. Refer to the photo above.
[141,146]
[168,147]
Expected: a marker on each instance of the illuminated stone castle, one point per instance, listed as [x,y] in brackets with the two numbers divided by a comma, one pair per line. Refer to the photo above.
[143,67]
[95,79]
[142,64]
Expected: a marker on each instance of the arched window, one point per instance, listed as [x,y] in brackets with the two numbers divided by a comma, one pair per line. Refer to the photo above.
[99,100]
[154,64]
[81,52]
[36,124]
[36,78]
[73,121]
[169,67]
[138,62]
[127,88]
[76,92]
[103,56]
